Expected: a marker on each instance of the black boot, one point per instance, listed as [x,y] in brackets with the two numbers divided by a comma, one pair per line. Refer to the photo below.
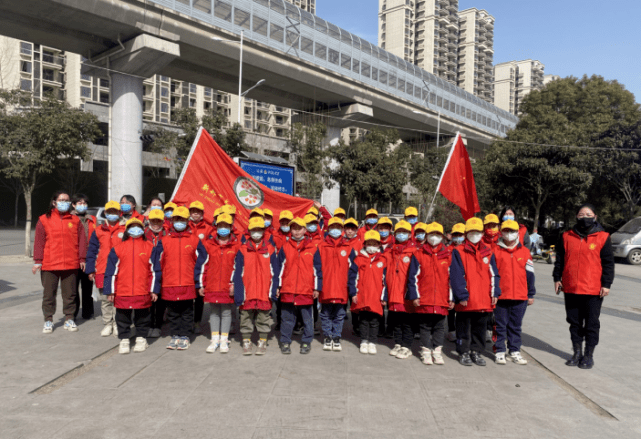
[587,362]
[576,358]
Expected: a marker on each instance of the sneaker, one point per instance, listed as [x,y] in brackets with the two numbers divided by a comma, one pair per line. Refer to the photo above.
[70,326]
[154,333]
[305,348]
[395,350]
[404,353]
[465,359]
[364,347]
[224,344]
[336,344]
[141,344]
[426,356]
[488,335]
[115,330]
[437,356]
[183,343]
[327,345]
[477,359]
[107,330]
[215,344]
[285,349]
[261,349]
[451,336]
[371,349]
[48,328]
[516,358]
[124,346]
[499,358]
[247,347]
[173,343]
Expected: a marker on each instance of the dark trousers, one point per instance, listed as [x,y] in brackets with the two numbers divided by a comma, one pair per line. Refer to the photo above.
[451,321]
[68,290]
[181,317]
[354,317]
[582,313]
[368,326]
[470,331]
[199,306]
[279,306]
[400,324]
[158,313]
[432,329]
[332,316]
[84,289]
[141,318]
[509,317]
[288,316]
[299,317]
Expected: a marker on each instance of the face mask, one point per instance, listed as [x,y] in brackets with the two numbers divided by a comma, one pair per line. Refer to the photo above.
[508,217]
[371,249]
[168,214]
[256,236]
[285,229]
[412,221]
[420,236]
[384,233]
[335,233]
[126,208]
[458,239]
[62,206]
[434,240]
[112,217]
[371,221]
[156,208]
[268,223]
[223,232]
[180,226]
[510,236]
[402,237]
[474,237]
[584,223]
[81,208]
[135,232]
[311,228]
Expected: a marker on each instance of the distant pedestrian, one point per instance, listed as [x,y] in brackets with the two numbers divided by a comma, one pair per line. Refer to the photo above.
[84,285]
[508,213]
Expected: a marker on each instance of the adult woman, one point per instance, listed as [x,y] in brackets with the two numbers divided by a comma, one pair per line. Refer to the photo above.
[79,205]
[508,213]
[153,204]
[584,271]
[128,208]
[59,250]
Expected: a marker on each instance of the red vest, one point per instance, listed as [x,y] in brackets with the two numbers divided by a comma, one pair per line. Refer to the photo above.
[62,241]
[109,237]
[398,264]
[135,274]
[257,270]
[511,265]
[477,265]
[582,270]
[433,280]
[219,269]
[370,284]
[297,275]
[178,259]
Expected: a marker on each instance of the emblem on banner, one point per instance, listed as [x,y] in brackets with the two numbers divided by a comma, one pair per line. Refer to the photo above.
[248,193]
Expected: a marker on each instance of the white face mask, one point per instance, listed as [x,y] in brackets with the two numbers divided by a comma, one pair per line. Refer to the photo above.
[371,249]
[510,236]
[256,236]
[474,237]
[434,240]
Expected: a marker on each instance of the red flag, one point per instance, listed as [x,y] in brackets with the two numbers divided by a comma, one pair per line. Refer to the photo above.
[211,176]
[457,180]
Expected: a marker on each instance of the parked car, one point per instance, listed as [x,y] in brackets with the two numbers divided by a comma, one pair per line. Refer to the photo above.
[626,241]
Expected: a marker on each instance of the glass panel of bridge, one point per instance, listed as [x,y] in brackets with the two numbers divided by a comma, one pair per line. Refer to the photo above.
[277,6]
[242,18]
[203,5]
[222,10]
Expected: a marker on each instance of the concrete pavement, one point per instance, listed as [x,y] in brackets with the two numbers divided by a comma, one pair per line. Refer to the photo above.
[97,393]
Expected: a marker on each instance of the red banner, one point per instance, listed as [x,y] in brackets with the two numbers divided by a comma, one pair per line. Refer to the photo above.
[457,181]
[212,177]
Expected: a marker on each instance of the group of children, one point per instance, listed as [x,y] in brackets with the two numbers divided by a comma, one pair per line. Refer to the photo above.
[321,260]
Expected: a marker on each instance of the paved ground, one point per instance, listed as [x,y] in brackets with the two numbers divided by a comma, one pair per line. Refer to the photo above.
[166,394]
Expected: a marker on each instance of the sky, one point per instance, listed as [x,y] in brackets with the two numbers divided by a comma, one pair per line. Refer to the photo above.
[570,37]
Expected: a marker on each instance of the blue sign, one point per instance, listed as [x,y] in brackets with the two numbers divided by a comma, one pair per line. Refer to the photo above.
[277,178]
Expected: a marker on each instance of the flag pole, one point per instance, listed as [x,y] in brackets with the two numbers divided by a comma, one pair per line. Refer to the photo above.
[447,162]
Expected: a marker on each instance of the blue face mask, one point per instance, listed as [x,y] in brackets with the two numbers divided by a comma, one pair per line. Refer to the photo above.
[135,232]
[81,208]
[112,217]
[508,217]
[458,239]
[412,220]
[180,226]
[156,208]
[285,229]
[402,237]
[335,233]
[420,236]
[371,221]
[169,213]
[267,223]
[63,206]
[311,228]
[224,232]
[126,208]
[384,233]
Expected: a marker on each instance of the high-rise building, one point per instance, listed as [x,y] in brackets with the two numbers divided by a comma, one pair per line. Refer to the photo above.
[513,80]
[476,52]
[549,78]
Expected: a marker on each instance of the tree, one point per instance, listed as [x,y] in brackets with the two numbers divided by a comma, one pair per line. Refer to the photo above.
[38,139]
[306,142]
[425,171]
[14,186]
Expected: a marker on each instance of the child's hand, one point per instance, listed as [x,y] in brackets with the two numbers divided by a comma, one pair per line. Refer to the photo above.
[416,302]
[463,303]
[355,299]
[383,302]
[494,300]
[316,294]
[278,293]
[231,289]
[110,298]
[451,305]
[201,292]
[154,297]
[92,277]
[530,302]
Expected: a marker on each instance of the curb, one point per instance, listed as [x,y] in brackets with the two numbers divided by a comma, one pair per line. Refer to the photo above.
[12,259]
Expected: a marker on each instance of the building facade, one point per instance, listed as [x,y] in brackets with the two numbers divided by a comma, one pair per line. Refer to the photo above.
[476,53]
[513,80]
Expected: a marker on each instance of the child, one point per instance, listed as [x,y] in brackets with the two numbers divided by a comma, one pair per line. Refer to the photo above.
[368,289]
[154,233]
[474,280]
[132,283]
[256,282]
[197,223]
[371,218]
[339,213]
[299,285]
[104,238]
[384,228]
[429,291]
[420,237]
[411,216]
[398,262]
[458,238]
[313,228]
[217,288]
[268,216]
[491,231]
[169,211]
[351,234]
[282,234]
[181,256]
[516,269]
[332,262]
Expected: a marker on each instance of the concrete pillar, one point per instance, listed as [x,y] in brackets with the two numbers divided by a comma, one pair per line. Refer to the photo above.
[331,198]
[126,129]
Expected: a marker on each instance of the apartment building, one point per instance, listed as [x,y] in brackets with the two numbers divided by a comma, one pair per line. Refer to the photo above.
[549,78]
[513,80]
[476,53]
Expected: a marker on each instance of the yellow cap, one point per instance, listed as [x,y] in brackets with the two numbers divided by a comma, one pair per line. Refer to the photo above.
[434,228]
[339,211]
[170,205]
[229,208]
[257,211]
[404,225]
[298,221]
[286,214]
[411,211]
[181,211]
[384,220]
[310,218]
[335,220]
[197,205]
[458,228]
[224,218]
[133,221]
[218,212]
[112,205]
[268,212]
[510,224]
[474,224]
[351,221]
[156,214]
[313,210]
[371,212]
[491,218]
[373,235]
[420,226]
[256,223]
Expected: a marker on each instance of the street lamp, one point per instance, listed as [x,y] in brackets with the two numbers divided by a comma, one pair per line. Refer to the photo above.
[438,125]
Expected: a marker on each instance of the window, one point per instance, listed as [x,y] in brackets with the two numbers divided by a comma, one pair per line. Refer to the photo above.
[276,32]
[401,85]
[164,107]
[192,88]
[307,45]
[222,10]
[104,98]
[260,26]
[346,61]
[25,85]
[374,74]
[277,5]
[392,80]
[439,101]
[333,56]
[321,51]
[365,68]
[85,92]
[164,92]
[356,66]
[25,66]
[25,48]
[262,2]
[192,103]
[382,77]
[241,18]
[104,83]
[207,92]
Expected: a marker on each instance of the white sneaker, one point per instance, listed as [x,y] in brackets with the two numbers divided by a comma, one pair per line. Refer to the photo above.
[215,344]
[404,353]
[141,344]
[124,346]
[107,330]
[48,328]
[395,350]
[488,335]
[115,333]
[371,349]
[517,359]
[224,344]
[364,347]
[437,356]
[426,356]
[451,336]
[336,345]
[499,358]
[70,326]
[155,333]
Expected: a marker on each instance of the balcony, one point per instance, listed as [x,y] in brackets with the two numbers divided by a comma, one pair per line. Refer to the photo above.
[53,60]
